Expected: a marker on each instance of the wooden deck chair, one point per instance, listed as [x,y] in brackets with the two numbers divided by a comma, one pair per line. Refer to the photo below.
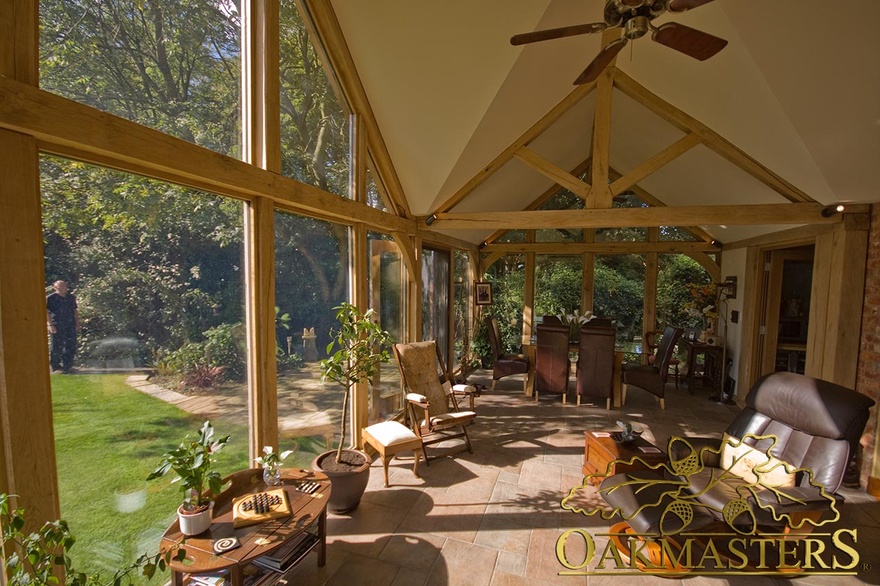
[431,402]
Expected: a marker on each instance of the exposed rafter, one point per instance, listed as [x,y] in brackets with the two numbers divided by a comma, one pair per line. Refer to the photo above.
[670,153]
[553,171]
[600,194]
[527,137]
[666,247]
[711,139]
[739,215]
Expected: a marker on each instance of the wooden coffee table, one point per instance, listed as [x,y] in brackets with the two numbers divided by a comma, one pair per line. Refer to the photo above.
[600,451]
[308,513]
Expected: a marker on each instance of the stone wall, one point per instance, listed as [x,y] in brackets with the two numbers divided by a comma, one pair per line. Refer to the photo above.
[868,377]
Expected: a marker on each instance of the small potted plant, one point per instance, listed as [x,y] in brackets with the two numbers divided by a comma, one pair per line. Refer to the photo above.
[362,346]
[192,461]
[271,463]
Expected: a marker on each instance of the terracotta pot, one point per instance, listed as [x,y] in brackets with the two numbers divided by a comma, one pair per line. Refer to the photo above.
[346,486]
[195,523]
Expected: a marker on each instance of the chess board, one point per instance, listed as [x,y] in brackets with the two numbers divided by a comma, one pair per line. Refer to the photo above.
[258,507]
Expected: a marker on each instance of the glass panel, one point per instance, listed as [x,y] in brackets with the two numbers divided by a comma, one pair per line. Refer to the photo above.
[513,236]
[564,200]
[375,198]
[311,278]
[156,273]
[461,294]
[507,276]
[435,298]
[172,66]
[619,292]
[386,286]
[625,200]
[314,124]
[678,279]
[676,233]
[558,284]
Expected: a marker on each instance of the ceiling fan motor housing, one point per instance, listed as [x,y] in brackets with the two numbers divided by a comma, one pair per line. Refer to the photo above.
[621,11]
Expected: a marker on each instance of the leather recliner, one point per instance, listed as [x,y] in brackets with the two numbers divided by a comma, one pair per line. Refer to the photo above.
[815,426]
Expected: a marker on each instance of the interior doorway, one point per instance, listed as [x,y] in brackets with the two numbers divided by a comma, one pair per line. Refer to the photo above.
[788,280]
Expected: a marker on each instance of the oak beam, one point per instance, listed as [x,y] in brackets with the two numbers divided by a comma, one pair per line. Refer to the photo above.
[553,171]
[600,194]
[27,441]
[259,235]
[548,193]
[662,247]
[736,215]
[528,136]
[708,263]
[20,40]
[712,139]
[121,144]
[670,153]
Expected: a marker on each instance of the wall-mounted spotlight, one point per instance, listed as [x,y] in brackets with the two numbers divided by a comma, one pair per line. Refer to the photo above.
[716,243]
[430,219]
[483,245]
[829,211]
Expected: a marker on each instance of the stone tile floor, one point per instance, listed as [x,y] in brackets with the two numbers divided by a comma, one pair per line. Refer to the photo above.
[494,516]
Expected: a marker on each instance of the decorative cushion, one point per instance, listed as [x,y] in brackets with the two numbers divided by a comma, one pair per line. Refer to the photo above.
[389,433]
[754,466]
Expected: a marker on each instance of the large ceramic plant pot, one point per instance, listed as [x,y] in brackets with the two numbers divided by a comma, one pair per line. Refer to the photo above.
[347,481]
[195,523]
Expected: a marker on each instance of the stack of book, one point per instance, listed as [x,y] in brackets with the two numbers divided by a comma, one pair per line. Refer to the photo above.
[218,579]
[288,554]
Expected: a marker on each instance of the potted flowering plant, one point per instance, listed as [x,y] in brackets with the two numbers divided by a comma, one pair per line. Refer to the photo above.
[271,463]
[574,321]
[192,461]
[362,346]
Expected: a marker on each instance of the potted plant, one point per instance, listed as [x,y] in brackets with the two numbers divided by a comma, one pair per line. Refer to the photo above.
[362,346]
[271,463]
[192,461]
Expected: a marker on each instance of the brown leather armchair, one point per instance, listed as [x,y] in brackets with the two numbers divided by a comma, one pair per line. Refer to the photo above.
[812,426]
[595,365]
[505,364]
[652,377]
[551,360]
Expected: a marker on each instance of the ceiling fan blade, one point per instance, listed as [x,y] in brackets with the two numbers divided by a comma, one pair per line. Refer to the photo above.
[684,5]
[689,41]
[556,33]
[602,60]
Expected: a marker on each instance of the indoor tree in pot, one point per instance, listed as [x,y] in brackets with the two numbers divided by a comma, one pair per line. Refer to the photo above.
[362,346]
[192,461]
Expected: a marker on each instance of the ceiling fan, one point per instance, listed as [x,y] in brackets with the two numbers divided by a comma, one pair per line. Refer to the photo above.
[634,17]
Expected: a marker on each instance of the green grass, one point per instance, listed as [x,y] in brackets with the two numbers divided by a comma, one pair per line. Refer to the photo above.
[108,438]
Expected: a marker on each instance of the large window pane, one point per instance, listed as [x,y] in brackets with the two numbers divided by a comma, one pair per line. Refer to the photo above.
[619,292]
[461,323]
[678,279]
[311,278]
[558,284]
[435,298]
[507,276]
[564,200]
[156,273]
[314,124]
[386,281]
[172,66]
[626,199]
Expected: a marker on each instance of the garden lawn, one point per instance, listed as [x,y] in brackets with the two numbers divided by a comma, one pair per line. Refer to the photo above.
[108,438]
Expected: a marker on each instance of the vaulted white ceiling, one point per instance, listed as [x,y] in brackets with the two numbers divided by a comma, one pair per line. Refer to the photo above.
[797,88]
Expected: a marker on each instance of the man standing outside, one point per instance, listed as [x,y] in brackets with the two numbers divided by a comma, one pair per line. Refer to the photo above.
[63,323]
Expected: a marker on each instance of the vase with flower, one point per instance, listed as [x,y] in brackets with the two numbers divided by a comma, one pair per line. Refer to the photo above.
[574,321]
[271,463]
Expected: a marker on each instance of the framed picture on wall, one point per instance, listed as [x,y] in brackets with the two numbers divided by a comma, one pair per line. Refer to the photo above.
[483,293]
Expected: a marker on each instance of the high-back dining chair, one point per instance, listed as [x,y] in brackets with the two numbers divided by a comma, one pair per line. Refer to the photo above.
[595,364]
[652,377]
[551,360]
[505,364]
[431,401]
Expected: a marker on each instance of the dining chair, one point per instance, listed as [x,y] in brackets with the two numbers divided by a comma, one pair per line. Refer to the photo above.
[652,377]
[551,360]
[505,364]
[595,363]
[652,342]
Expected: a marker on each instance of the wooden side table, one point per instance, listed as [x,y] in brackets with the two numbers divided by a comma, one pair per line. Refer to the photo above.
[600,451]
[308,513]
